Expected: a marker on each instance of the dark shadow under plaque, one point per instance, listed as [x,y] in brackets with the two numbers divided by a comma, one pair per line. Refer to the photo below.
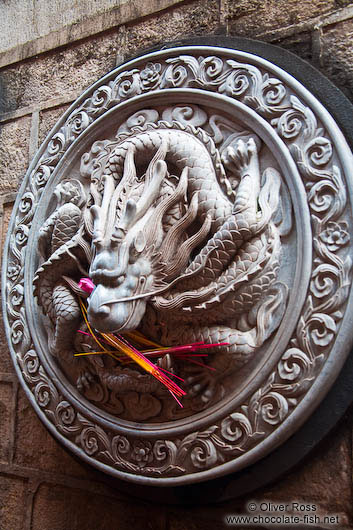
[196,194]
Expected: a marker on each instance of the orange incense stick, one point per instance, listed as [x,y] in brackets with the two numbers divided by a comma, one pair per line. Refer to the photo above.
[124,346]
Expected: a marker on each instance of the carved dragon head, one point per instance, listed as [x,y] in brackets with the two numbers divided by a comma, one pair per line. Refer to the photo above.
[137,253]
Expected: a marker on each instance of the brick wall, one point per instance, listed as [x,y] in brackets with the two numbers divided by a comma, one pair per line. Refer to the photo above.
[41,486]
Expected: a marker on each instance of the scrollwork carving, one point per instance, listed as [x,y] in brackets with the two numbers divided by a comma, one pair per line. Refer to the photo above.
[300,126]
[236,428]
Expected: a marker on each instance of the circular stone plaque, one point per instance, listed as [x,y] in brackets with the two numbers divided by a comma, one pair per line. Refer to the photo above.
[185,227]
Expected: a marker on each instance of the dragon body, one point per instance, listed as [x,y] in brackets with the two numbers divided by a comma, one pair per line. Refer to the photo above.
[183,245]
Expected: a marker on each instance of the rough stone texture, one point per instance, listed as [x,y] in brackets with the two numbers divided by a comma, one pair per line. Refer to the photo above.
[6,365]
[252,17]
[300,44]
[40,18]
[48,119]
[5,414]
[12,495]
[56,74]
[71,496]
[69,32]
[337,55]
[343,3]
[327,486]
[29,448]
[191,19]
[59,508]
[14,144]
[323,479]
[5,220]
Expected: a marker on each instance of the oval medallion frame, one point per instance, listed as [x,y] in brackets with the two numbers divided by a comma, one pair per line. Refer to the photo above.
[238,434]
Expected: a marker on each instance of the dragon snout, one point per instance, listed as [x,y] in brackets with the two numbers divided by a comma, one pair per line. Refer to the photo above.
[97,313]
[109,317]
[99,319]
[102,311]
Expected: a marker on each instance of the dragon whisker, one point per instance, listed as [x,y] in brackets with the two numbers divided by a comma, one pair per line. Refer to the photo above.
[157,291]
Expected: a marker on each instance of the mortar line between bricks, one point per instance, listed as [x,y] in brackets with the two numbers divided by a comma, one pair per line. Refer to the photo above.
[34,135]
[32,489]
[337,16]
[42,105]
[316,46]
[8,378]
[322,21]
[314,23]
[120,58]
[90,27]
[5,199]
[50,477]
[223,20]
[13,422]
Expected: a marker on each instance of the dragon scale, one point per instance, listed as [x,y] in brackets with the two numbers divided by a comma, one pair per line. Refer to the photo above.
[190,147]
[185,262]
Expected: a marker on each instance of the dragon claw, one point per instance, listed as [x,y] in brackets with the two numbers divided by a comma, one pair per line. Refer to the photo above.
[201,385]
[240,156]
[84,380]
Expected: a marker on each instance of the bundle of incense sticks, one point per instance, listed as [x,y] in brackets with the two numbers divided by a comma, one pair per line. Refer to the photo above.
[125,352]
[125,347]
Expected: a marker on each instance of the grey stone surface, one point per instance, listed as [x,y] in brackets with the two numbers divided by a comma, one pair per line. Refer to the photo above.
[326,474]
[27,452]
[253,17]
[14,151]
[36,19]
[337,55]
[12,494]
[241,428]
[326,486]
[47,120]
[65,25]
[56,74]
[189,19]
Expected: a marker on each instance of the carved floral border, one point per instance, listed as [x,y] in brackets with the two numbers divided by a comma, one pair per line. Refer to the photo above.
[267,409]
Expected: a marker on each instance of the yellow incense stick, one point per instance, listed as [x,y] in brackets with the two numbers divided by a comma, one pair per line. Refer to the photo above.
[84,313]
[114,341]
[133,354]
[138,337]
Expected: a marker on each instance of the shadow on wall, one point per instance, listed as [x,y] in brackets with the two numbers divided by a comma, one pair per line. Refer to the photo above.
[339,72]
[330,65]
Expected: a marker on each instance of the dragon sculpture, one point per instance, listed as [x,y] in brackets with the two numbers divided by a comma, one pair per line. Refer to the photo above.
[182,243]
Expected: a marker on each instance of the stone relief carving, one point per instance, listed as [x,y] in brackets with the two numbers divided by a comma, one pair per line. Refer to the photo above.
[183,219]
[157,193]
